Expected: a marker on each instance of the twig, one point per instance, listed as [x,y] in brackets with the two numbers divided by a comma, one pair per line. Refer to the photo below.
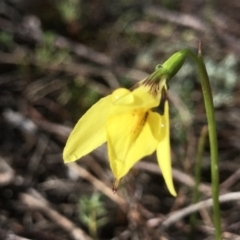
[42,205]
[83,173]
[36,158]
[19,121]
[178,18]
[177,175]
[6,172]
[231,180]
[9,235]
[176,216]
[54,128]
[82,51]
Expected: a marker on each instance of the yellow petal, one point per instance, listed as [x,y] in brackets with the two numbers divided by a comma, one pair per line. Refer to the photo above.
[144,98]
[89,133]
[164,152]
[122,96]
[140,98]
[131,136]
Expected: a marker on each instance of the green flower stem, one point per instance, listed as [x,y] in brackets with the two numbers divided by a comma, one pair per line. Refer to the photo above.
[169,69]
[197,175]
[208,100]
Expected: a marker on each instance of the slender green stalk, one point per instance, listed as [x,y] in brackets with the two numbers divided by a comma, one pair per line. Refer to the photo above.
[197,175]
[208,100]
[169,69]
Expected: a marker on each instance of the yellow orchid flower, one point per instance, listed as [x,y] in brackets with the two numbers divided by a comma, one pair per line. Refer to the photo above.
[125,121]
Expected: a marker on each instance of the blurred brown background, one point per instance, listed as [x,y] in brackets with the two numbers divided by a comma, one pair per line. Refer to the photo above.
[57,58]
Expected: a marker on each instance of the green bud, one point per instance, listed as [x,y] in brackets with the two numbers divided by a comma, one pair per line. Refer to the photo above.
[174,63]
[168,69]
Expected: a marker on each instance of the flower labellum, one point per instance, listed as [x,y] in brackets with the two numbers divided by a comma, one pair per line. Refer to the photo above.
[132,130]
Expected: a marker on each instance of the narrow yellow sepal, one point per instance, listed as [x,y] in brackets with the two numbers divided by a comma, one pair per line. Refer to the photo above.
[164,152]
[89,133]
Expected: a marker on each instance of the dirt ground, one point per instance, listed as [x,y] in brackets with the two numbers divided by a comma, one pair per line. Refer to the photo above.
[57,58]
